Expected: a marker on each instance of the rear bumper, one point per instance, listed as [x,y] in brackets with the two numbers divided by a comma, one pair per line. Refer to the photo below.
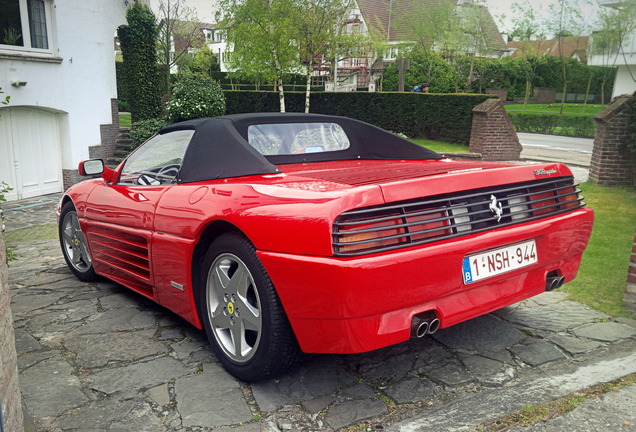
[349,305]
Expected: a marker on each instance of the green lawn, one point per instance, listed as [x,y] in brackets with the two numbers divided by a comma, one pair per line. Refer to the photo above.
[440,146]
[603,273]
[124,120]
[590,109]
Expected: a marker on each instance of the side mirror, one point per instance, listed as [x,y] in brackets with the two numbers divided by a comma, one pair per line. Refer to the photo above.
[91,167]
[94,167]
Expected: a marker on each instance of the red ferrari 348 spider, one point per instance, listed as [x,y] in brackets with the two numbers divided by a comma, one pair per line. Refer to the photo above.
[287,233]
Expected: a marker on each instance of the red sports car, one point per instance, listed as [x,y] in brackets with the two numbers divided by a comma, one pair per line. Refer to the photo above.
[287,233]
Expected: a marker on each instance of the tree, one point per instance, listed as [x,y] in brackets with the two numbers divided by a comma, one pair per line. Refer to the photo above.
[261,36]
[468,35]
[527,28]
[565,19]
[322,36]
[179,32]
[426,25]
[139,53]
[203,62]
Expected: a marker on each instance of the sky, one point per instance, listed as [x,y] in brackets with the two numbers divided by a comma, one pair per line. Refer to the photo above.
[203,8]
[498,9]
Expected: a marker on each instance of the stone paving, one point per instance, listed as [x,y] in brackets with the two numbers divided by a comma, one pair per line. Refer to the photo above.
[97,357]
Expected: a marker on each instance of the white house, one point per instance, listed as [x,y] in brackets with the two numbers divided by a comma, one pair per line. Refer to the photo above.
[57,65]
[622,56]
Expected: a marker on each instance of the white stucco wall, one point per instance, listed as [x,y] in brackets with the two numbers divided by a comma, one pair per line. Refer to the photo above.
[625,80]
[79,80]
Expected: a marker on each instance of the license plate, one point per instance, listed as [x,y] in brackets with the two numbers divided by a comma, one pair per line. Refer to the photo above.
[498,261]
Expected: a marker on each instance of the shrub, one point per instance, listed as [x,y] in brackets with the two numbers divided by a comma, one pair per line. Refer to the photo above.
[576,125]
[144,129]
[141,81]
[426,66]
[4,188]
[123,106]
[195,97]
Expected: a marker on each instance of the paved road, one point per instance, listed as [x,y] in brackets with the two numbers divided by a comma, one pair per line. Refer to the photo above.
[97,357]
[571,150]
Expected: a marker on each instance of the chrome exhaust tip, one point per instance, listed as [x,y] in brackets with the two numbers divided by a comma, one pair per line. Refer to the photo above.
[433,326]
[420,330]
[423,324]
[554,282]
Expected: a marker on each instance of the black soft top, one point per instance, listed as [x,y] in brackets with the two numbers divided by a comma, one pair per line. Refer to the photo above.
[219,147]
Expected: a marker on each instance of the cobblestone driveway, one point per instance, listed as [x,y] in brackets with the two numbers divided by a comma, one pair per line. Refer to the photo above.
[97,357]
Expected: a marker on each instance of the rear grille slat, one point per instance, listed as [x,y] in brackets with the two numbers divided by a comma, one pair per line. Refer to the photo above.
[398,225]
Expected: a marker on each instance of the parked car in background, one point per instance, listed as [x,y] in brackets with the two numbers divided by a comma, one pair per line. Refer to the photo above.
[287,233]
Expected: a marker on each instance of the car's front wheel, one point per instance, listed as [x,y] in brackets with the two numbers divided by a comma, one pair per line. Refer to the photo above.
[73,243]
[242,314]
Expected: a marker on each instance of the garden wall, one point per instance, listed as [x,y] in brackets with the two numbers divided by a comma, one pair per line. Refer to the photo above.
[445,117]
[10,399]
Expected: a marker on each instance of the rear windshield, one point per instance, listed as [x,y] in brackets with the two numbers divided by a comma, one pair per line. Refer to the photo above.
[297,138]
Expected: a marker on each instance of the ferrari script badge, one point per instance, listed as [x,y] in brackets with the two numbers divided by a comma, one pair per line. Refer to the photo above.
[495,207]
[544,172]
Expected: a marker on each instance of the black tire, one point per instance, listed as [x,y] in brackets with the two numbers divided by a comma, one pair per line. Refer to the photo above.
[239,303]
[73,243]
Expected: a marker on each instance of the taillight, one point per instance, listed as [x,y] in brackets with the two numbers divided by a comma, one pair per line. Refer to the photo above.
[370,235]
[543,202]
[568,198]
[428,225]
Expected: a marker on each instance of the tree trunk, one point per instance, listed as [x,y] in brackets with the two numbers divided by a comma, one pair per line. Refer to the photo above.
[308,88]
[526,95]
[281,93]
[565,88]
[587,91]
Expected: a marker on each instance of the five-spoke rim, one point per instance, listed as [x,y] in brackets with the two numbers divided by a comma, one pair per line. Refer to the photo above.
[234,308]
[75,243]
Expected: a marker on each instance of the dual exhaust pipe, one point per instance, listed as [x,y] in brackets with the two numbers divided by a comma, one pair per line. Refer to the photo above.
[423,324]
[554,282]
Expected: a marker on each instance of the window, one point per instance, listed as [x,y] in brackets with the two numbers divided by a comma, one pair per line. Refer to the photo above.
[392,53]
[297,138]
[25,25]
[158,161]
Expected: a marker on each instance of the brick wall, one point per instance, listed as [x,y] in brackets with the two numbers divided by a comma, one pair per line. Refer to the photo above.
[611,164]
[630,289]
[108,134]
[492,134]
[11,402]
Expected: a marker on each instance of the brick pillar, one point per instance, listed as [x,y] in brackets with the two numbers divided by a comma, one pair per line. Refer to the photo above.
[10,399]
[629,301]
[611,163]
[492,133]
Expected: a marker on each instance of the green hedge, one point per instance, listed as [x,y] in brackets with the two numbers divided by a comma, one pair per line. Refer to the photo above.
[565,124]
[446,117]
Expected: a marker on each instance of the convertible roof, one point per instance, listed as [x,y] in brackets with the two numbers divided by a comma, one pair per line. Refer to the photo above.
[219,147]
